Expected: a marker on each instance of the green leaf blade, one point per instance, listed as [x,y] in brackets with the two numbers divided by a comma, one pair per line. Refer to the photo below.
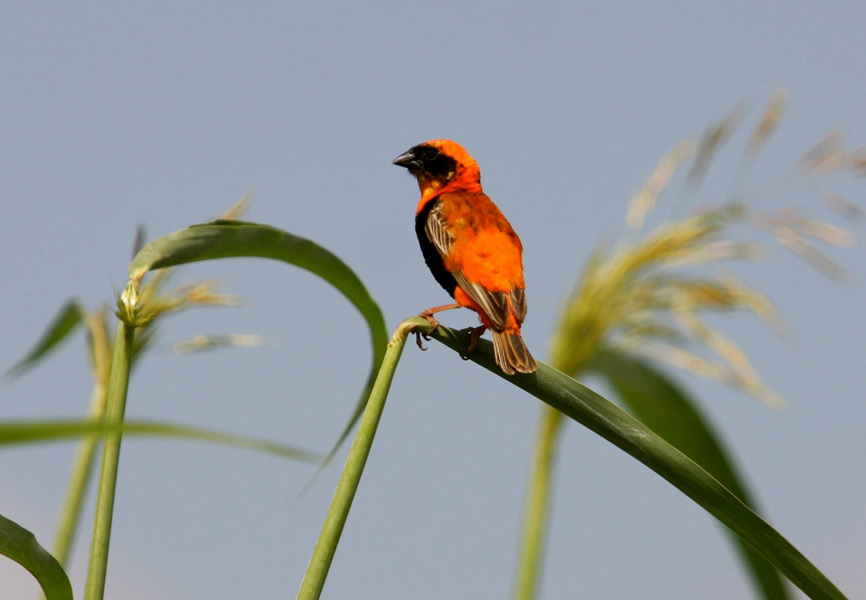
[24,432]
[666,409]
[230,239]
[21,546]
[630,435]
[65,321]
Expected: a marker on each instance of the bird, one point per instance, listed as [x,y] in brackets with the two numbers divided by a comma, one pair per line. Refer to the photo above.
[470,248]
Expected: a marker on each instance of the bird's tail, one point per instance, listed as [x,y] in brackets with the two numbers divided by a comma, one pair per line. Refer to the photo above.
[511,353]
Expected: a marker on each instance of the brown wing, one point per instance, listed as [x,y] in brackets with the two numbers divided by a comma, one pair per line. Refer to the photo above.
[494,304]
[437,232]
[518,303]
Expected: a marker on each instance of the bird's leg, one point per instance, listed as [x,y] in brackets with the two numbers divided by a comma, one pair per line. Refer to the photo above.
[474,334]
[434,324]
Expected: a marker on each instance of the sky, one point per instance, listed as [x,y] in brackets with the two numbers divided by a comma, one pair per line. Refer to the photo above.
[164,114]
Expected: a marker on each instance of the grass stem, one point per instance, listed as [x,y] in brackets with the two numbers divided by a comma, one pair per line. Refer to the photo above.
[79,476]
[535,512]
[116,406]
[326,545]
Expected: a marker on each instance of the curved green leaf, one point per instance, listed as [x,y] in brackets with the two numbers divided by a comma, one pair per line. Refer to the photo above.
[630,435]
[24,432]
[21,546]
[66,320]
[666,409]
[225,239]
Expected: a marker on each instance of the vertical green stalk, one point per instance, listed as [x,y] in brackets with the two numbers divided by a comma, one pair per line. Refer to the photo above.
[82,468]
[536,512]
[326,545]
[118,384]
[83,463]
[537,505]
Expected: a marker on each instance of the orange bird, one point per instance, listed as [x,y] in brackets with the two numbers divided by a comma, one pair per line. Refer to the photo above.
[470,248]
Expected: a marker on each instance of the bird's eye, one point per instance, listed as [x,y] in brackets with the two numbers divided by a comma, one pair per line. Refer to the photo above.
[436,164]
[427,154]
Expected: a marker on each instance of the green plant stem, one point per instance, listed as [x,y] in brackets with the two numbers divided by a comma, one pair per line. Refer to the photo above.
[536,512]
[326,545]
[537,506]
[83,462]
[79,476]
[115,408]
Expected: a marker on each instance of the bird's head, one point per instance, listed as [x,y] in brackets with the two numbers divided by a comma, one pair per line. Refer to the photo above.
[441,164]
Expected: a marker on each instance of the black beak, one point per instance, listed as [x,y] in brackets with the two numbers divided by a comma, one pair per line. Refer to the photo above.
[408,160]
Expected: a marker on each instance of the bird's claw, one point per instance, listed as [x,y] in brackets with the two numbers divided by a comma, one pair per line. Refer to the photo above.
[418,336]
[434,325]
[474,334]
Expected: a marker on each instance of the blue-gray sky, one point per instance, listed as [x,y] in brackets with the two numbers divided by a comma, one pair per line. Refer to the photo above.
[166,113]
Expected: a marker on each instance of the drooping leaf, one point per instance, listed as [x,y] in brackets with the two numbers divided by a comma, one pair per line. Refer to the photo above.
[226,239]
[666,409]
[630,435]
[24,432]
[64,323]
[21,546]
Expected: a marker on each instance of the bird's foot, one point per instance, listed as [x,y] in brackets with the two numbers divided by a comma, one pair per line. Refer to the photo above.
[434,325]
[474,334]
